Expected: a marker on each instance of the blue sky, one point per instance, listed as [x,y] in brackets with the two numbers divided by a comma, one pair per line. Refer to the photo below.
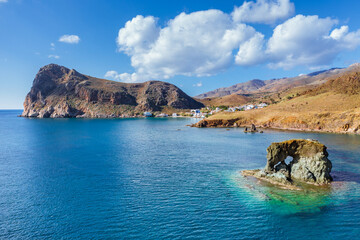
[30,32]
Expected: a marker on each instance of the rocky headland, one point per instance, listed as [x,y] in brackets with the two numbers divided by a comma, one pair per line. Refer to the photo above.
[59,92]
[330,105]
[309,164]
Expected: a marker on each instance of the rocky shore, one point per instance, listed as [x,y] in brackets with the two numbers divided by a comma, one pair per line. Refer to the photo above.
[336,125]
[309,164]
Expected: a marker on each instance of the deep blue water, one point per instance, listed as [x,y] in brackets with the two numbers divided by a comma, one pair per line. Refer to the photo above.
[159,179]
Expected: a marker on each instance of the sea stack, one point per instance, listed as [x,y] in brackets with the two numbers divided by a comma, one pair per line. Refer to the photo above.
[310,163]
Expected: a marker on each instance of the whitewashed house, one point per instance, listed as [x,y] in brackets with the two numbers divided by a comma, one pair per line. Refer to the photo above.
[262,105]
[196,113]
[249,107]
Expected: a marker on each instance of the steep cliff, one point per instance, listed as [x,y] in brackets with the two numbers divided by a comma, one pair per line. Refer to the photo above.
[59,92]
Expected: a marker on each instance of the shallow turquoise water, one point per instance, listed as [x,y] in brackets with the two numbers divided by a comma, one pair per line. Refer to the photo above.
[158,179]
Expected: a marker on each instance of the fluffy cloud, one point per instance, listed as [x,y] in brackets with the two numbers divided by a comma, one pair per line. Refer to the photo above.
[308,40]
[263,11]
[137,35]
[252,51]
[301,40]
[196,44]
[124,77]
[205,43]
[72,39]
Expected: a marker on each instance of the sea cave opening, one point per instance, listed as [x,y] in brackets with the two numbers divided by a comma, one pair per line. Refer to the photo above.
[287,161]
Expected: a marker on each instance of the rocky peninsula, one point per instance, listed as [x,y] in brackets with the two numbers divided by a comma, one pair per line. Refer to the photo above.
[59,92]
[327,102]
[310,164]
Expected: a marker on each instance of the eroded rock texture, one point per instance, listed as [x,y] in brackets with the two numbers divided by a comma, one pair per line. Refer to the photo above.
[309,163]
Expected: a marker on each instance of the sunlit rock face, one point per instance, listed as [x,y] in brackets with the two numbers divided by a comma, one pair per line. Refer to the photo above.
[310,163]
[59,92]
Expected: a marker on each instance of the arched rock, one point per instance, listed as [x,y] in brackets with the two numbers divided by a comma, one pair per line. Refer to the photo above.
[310,162]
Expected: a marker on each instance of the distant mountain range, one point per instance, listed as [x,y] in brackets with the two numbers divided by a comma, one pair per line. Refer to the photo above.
[59,92]
[274,85]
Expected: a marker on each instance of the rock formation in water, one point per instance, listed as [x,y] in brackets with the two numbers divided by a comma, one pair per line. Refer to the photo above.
[310,163]
[59,92]
[252,129]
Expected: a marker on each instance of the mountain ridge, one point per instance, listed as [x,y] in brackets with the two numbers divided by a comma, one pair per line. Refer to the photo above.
[274,85]
[60,92]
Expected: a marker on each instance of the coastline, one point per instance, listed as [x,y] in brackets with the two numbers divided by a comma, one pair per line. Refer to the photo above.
[234,123]
[294,130]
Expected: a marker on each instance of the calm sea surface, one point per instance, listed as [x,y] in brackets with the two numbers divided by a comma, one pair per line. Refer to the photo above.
[158,179]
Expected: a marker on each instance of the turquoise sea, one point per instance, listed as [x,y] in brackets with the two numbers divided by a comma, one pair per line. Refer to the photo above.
[159,179]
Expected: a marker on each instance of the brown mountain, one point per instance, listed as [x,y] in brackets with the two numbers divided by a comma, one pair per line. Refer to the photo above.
[276,85]
[59,92]
[229,100]
[331,106]
[240,88]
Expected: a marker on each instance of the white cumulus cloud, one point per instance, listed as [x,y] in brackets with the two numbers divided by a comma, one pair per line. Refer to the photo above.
[309,40]
[124,77]
[302,40]
[205,43]
[72,39]
[263,11]
[195,44]
[252,51]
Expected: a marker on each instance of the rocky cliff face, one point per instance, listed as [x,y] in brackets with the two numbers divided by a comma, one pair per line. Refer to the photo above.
[309,164]
[59,92]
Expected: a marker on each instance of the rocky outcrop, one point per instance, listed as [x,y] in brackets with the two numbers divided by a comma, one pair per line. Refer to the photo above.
[216,123]
[59,92]
[309,163]
[251,129]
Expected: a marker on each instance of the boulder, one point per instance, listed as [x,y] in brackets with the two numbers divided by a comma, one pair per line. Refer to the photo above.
[309,163]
